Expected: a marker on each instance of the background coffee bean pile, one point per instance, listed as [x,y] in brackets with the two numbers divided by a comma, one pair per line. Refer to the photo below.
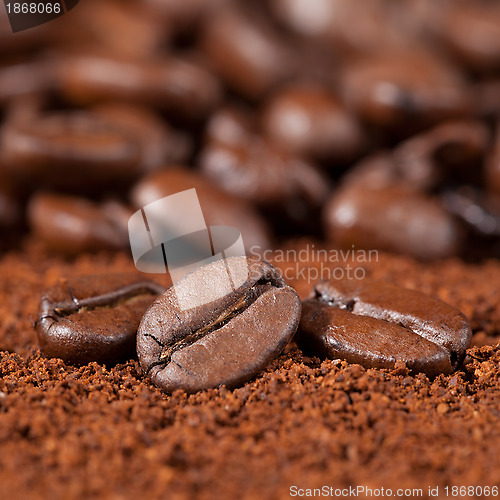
[366,123]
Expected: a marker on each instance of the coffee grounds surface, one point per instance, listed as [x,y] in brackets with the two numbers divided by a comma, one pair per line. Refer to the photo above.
[100,431]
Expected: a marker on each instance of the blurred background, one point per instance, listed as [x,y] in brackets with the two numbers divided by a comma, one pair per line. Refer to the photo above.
[369,123]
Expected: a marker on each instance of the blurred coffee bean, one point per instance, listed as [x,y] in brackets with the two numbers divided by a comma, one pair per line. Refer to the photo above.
[309,121]
[471,30]
[246,52]
[478,210]
[24,108]
[376,171]
[219,208]
[250,167]
[449,153]
[159,145]
[94,318]
[120,27]
[74,149]
[25,79]
[393,218]
[401,87]
[349,27]
[73,225]
[229,126]
[263,174]
[176,85]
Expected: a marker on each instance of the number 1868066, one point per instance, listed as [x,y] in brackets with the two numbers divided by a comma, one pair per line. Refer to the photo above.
[33,8]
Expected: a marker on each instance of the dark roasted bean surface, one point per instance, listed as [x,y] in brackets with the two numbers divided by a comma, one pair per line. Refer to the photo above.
[94,318]
[225,341]
[377,324]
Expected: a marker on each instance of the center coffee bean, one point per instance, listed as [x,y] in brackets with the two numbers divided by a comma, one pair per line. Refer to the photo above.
[226,340]
[376,324]
[94,318]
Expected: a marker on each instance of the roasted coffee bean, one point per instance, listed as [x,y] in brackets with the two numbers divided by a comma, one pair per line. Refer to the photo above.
[475,208]
[246,52]
[349,27]
[376,171]
[70,224]
[447,154]
[159,145]
[403,86]
[111,145]
[122,28]
[24,79]
[395,218]
[450,152]
[224,340]
[183,88]
[68,149]
[263,174]
[229,126]
[246,165]
[309,121]
[471,30]
[94,318]
[219,208]
[376,324]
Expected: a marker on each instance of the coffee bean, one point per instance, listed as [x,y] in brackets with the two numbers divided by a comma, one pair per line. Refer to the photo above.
[159,145]
[394,218]
[42,149]
[219,208]
[183,88]
[70,224]
[475,208]
[229,126]
[447,154]
[471,30]
[244,164]
[224,341]
[309,121]
[376,324]
[94,318]
[23,79]
[246,52]
[349,28]
[121,28]
[397,87]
